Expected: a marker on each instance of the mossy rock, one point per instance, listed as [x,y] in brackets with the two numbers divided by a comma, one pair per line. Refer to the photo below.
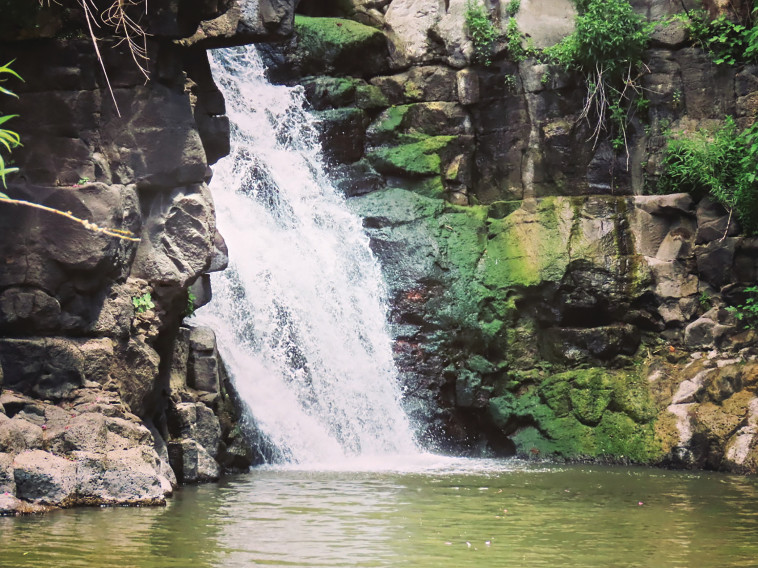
[529,246]
[577,414]
[338,46]
[335,92]
[330,92]
[418,158]
[428,187]
[430,118]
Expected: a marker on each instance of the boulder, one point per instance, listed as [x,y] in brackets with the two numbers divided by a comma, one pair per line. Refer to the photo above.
[432,119]
[426,83]
[18,435]
[135,371]
[52,368]
[342,133]
[546,22]
[335,46]
[7,480]
[244,22]
[28,310]
[715,260]
[704,332]
[122,476]
[178,238]
[577,345]
[713,222]
[203,361]
[191,462]
[468,86]
[409,23]
[44,478]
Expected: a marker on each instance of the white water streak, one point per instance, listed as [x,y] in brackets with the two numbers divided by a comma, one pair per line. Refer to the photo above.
[300,313]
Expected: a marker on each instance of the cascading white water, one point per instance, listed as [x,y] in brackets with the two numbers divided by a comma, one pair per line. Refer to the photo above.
[300,312]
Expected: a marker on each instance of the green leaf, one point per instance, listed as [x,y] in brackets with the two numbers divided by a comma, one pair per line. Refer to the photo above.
[6,69]
[7,92]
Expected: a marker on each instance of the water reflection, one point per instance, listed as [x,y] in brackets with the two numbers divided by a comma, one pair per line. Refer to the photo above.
[491,515]
[181,534]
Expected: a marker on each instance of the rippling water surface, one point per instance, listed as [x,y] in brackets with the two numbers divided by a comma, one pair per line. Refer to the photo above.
[454,514]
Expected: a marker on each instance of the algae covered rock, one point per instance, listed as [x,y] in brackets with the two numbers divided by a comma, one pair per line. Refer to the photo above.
[590,413]
[338,46]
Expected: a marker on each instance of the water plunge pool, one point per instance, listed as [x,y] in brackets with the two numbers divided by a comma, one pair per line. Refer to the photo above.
[455,513]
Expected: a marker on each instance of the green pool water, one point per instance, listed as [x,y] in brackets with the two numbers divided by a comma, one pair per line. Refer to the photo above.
[466,513]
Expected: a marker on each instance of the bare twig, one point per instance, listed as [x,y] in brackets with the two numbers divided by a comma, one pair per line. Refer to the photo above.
[116,17]
[728,224]
[90,19]
[118,233]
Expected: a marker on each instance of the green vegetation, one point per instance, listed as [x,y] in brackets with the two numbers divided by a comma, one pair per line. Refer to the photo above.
[482,31]
[747,312]
[607,46]
[419,157]
[727,42]
[332,32]
[189,309]
[143,303]
[510,83]
[8,138]
[705,300]
[722,164]
[515,42]
[512,8]
[584,413]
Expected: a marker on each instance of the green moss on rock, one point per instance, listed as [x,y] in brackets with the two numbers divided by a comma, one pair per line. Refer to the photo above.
[337,45]
[428,187]
[581,414]
[421,157]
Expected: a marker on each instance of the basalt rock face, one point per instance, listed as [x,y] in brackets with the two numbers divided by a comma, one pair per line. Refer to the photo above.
[105,398]
[543,303]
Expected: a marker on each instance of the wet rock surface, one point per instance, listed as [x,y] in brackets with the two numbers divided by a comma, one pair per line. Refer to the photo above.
[528,273]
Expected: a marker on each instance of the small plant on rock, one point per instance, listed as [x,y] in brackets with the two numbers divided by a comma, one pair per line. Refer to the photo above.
[189,309]
[482,32]
[143,303]
[747,312]
[512,8]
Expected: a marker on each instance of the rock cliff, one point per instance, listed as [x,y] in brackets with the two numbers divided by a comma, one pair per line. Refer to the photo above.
[109,395]
[545,303]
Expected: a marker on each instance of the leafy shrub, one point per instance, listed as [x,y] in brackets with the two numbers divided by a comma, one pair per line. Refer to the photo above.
[722,164]
[609,38]
[514,39]
[482,31]
[513,7]
[747,312]
[607,47]
[727,42]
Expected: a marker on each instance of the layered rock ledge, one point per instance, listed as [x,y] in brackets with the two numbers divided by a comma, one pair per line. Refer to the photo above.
[107,396]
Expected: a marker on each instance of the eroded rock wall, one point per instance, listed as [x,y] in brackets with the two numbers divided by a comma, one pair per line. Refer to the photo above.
[106,397]
[543,304]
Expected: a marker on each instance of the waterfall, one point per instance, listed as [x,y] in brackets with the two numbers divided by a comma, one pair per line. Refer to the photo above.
[300,314]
